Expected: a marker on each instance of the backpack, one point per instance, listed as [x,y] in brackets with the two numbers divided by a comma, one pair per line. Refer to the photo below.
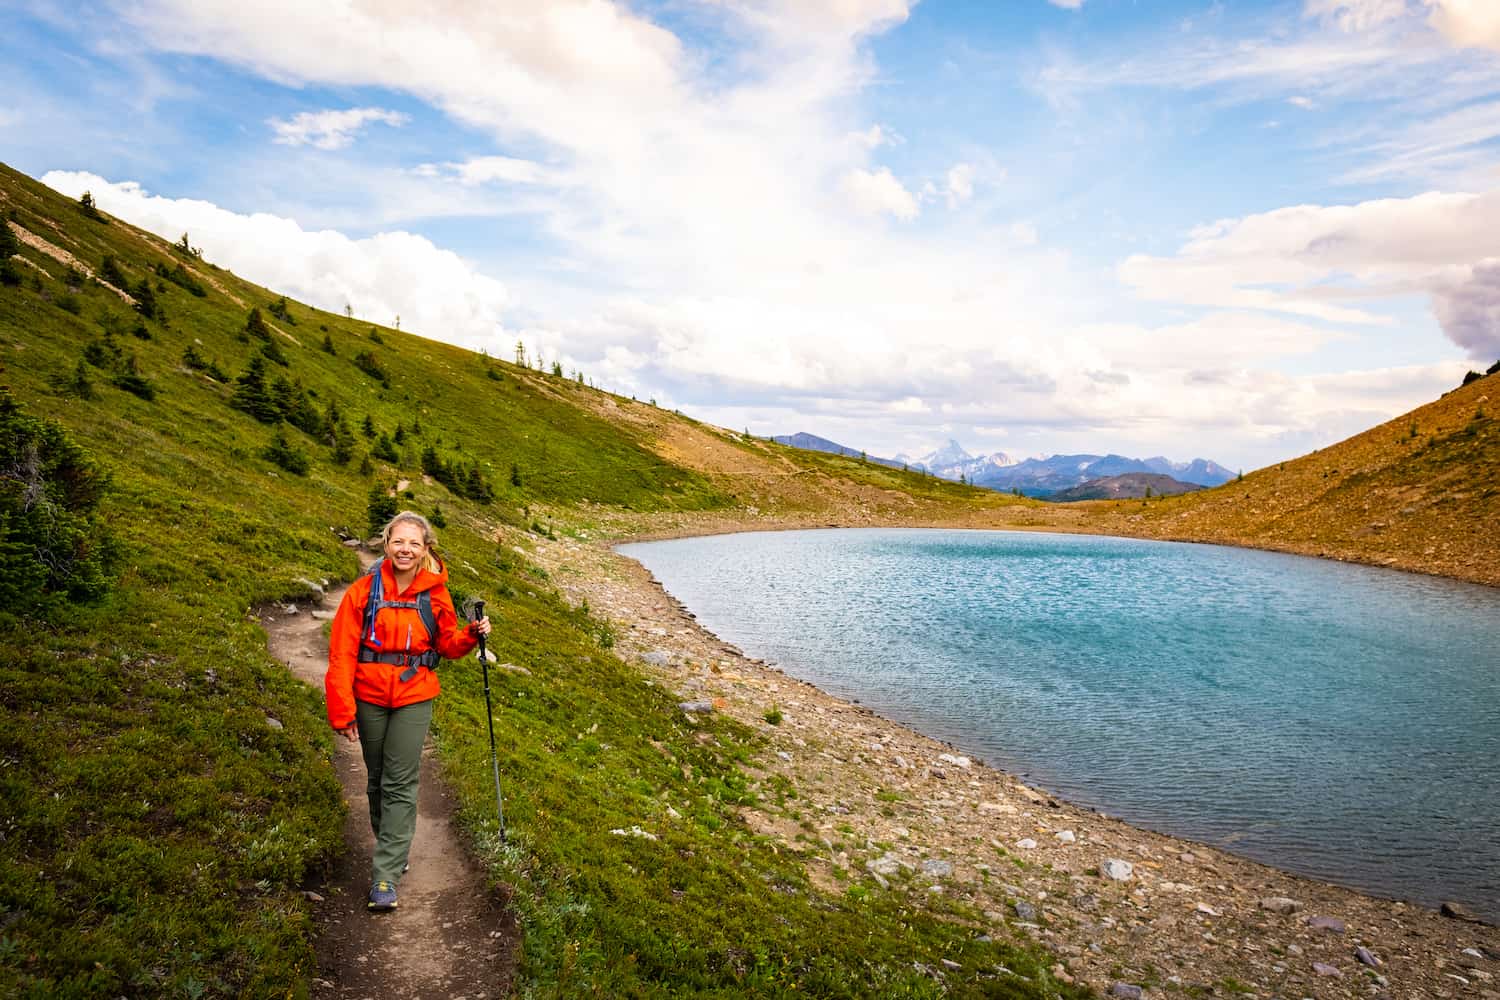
[369,644]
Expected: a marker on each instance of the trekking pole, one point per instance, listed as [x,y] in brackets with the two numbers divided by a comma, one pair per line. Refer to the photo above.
[489,715]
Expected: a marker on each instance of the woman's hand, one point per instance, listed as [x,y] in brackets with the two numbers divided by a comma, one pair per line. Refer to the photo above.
[351,731]
[481,627]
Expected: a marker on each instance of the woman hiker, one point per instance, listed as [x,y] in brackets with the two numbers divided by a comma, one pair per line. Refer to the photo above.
[390,630]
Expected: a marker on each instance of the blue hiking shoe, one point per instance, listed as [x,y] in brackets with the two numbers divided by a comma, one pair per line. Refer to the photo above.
[382,897]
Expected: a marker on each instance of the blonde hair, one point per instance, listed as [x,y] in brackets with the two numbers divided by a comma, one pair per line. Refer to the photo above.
[430,561]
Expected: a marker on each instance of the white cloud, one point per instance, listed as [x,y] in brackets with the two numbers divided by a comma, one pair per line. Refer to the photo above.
[330,129]
[879,193]
[1310,260]
[1067,4]
[733,228]
[1357,15]
[960,184]
[874,137]
[1300,101]
[1467,23]
[434,291]
[486,170]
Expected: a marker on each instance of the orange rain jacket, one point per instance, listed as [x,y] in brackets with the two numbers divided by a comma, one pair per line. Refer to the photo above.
[399,630]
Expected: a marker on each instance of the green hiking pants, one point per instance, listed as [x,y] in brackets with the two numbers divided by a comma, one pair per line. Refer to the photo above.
[391,741]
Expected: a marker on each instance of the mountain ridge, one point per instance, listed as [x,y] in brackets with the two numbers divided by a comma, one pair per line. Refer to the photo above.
[1034,477]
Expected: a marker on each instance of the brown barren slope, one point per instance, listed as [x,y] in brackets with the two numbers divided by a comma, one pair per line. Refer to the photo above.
[1420,493]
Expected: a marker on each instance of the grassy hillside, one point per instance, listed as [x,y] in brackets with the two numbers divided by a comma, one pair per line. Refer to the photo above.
[165,787]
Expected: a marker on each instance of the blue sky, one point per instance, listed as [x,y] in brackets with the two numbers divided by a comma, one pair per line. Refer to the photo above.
[1240,230]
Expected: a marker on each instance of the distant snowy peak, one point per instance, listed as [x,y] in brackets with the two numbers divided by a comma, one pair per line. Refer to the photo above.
[951,453]
[1038,477]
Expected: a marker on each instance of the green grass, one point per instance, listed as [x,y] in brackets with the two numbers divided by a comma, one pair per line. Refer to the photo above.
[158,824]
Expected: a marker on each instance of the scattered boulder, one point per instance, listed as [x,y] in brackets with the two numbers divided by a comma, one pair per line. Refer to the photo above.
[1367,957]
[937,868]
[1065,836]
[1458,911]
[1114,868]
[657,658]
[1280,904]
[1331,924]
[696,707]
[956,761]
[1126,991]
[274,723]
[886,864]
[1324,969]
[1025,843]
[1025,911]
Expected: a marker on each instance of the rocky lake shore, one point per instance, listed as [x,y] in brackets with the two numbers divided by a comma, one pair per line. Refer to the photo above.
[1126,911]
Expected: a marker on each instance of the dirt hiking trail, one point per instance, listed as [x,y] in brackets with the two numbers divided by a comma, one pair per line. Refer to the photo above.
[451,936]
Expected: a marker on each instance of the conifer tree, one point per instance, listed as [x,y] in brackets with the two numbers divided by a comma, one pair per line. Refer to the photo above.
[255,325]
[9,247]
[251,394]
[145,299]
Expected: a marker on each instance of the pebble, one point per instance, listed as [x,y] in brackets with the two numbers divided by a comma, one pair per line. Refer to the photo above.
[1025,911]
[1065,836]
[1324,969]
[1366,957]
[1207,910]
[1026,843]
[1332,924]
[274,723]
[1114,868]
[1126,991]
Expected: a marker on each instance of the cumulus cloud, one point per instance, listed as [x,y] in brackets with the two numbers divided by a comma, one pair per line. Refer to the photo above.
[1469,309]
[878,192]
[434,291]
[1067,4]
[331,129]
[1467,23]
[732,216]
[960,184]
[1329,262]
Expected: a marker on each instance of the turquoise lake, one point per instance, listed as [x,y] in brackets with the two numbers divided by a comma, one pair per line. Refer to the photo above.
[1338,721]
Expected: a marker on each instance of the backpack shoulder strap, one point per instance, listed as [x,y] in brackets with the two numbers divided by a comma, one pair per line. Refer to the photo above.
[429,618]
[373,602]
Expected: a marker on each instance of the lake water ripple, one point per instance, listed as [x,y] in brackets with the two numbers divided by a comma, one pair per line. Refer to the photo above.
[1337,721]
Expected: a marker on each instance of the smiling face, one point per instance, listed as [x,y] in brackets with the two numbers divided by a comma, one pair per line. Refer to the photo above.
[406,547]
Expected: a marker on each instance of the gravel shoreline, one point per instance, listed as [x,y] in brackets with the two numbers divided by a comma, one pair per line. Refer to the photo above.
[883,806]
